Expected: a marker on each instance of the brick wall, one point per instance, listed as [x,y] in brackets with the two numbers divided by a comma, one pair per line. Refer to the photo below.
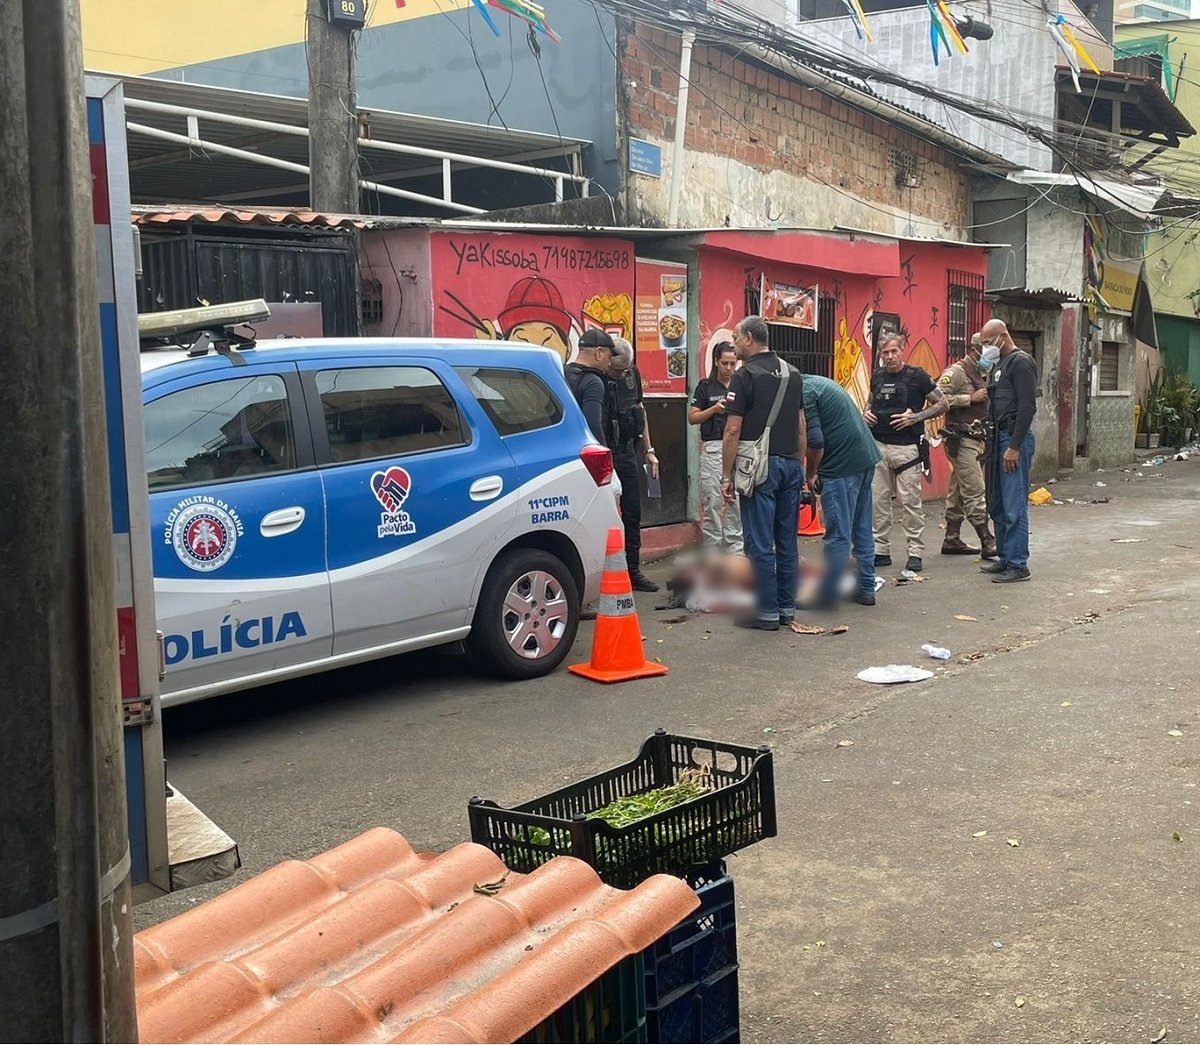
[764,122]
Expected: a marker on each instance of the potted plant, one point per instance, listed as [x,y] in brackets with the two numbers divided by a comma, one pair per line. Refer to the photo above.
[1150,415]
[1179,403]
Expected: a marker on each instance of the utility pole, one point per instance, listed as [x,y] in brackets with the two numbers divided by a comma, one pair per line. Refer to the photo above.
[333,177]
[66,923]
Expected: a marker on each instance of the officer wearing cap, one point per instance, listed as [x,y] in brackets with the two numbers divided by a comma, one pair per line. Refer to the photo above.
[964,383]
[587,378]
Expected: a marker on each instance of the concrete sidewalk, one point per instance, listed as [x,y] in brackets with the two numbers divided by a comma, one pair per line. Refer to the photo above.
[995,856]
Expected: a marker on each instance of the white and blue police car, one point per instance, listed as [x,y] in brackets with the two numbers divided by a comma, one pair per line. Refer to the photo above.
[317,503]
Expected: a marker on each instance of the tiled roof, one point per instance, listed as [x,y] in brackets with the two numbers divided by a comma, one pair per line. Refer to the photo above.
[173,215]
[373,942]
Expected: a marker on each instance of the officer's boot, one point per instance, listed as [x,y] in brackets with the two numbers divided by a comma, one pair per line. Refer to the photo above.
[953,544]
[987,540]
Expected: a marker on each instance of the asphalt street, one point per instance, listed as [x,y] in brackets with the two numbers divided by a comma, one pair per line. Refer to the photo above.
[1005,852]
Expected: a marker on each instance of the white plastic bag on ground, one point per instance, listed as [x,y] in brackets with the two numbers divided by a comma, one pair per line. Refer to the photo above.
[894,673]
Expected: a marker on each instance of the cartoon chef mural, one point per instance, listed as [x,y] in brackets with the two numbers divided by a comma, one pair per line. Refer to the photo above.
[534,308]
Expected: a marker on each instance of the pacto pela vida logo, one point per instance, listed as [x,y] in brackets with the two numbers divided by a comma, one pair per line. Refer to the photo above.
[391,488]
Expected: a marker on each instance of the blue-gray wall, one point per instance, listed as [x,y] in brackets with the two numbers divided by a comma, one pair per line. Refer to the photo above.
[425,66]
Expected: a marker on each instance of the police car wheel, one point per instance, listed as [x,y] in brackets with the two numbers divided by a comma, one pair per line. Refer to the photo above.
[527,615]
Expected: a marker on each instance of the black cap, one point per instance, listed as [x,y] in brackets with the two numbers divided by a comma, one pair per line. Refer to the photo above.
[594,337]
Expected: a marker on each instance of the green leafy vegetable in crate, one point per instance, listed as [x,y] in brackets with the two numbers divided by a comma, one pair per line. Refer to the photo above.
[622,812]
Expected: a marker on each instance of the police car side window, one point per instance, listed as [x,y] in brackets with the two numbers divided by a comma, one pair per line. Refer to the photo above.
[375,412]
[233,429]
[514,400]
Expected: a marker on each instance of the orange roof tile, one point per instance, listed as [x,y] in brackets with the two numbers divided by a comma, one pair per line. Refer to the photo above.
[170,215]
[373,942]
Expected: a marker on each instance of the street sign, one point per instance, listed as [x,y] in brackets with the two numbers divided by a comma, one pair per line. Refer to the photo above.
[645,158]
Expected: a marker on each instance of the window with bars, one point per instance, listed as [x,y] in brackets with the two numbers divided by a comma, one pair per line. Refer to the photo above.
[809,351]
[964,311]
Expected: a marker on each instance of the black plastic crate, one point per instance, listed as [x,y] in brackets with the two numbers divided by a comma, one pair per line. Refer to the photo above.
[610,1009]
[700,947]
[737,812]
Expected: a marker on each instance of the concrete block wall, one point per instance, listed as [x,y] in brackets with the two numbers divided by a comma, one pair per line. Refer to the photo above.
[1055,243]
[761,149]
[1013,70]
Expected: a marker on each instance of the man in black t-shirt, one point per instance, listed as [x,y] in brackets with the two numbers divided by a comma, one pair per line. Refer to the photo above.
[770,514]
[897,415]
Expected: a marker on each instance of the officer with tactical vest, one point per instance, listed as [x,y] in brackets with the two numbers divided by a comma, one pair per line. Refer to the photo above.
[629,416]
[964,384]
[587,377]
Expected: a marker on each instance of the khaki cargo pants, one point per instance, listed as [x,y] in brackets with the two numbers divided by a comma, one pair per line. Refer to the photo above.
[906,487]
[965,498]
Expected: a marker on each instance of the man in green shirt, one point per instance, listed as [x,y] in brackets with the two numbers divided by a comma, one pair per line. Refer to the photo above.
[841,463]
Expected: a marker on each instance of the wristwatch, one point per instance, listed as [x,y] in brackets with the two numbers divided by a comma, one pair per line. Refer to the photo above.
[649,450]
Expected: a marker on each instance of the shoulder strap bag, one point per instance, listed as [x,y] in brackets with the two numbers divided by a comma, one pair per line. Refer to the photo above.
[750,465]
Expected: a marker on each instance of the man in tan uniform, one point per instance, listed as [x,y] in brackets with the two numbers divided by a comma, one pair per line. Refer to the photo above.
[964,384]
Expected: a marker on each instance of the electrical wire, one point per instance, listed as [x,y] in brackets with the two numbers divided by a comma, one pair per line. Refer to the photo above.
[536,50]
[737,28]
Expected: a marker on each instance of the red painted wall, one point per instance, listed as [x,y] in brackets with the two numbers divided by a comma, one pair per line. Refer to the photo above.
[541,289]
[918,294]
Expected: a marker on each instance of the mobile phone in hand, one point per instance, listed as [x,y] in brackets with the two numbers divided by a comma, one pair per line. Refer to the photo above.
[653,486]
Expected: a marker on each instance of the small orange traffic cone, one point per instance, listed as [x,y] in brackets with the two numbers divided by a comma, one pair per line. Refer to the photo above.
[810,520]
[617,654]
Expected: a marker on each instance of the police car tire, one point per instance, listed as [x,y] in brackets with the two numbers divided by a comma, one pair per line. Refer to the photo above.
[487,640]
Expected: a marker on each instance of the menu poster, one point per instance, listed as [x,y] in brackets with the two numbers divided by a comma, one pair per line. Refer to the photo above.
[788,304]
[661,326]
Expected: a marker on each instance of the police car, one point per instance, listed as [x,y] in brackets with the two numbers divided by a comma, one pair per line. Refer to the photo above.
[316,503]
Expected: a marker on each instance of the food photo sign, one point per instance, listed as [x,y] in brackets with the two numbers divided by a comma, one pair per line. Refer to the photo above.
[661,326]
[789,304]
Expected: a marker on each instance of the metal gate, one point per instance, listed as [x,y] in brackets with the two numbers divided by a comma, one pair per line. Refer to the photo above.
[184,269]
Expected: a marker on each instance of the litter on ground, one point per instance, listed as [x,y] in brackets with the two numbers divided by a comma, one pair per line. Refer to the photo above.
[892,673]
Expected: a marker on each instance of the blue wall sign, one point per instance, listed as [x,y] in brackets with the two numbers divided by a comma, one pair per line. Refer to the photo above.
[645,158]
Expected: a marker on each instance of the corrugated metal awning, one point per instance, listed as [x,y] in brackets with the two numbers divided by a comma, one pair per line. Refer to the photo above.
[187,171]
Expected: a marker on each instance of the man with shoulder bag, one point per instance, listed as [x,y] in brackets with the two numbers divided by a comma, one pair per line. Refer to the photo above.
[763,450]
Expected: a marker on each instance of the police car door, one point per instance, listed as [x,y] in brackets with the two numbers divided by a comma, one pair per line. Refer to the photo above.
[419,490]
[238,526]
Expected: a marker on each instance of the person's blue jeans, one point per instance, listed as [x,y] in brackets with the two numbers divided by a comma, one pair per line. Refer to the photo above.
[1008,503]
[769,519]
[846,507]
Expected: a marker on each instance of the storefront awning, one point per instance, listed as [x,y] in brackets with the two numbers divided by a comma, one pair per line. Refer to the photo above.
[862,255]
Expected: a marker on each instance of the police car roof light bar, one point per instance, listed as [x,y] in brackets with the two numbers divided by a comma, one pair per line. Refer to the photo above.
[153,325]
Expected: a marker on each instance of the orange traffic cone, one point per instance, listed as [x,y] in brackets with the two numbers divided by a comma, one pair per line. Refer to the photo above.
[810,520]
[617,654]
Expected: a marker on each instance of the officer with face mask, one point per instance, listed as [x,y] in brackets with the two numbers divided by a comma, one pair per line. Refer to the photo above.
[964,384]
[1012,403]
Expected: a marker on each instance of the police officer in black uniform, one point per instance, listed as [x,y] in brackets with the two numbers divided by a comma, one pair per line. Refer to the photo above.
[587,377]
[1012,404]
[629,414]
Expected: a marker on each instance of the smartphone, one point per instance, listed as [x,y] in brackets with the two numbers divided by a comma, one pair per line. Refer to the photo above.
[653,486]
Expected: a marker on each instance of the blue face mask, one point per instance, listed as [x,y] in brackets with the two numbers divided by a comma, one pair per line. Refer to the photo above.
[985,364]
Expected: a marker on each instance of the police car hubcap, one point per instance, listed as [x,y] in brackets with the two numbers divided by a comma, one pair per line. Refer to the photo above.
[535,614]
